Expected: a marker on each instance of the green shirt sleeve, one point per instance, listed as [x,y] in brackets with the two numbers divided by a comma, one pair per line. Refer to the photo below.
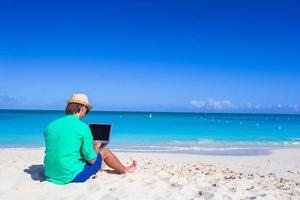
[87,147]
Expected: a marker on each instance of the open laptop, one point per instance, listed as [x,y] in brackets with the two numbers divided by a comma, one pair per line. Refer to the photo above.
[101,132]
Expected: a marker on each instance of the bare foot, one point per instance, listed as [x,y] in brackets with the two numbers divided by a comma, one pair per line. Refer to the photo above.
[131,168]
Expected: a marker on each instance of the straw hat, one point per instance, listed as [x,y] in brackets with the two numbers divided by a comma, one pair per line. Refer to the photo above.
[81,99]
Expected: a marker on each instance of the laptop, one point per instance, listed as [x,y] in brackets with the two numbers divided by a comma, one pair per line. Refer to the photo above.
[101,132]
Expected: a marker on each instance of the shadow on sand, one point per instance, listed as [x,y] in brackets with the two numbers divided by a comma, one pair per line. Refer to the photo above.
[36,172]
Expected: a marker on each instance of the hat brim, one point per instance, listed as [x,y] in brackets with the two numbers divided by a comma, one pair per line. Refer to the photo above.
[81,102]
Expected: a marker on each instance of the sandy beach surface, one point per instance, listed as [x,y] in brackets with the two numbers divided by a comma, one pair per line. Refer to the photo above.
[160,176]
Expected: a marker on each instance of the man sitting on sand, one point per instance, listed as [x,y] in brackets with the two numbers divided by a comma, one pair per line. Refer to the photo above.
[71,155]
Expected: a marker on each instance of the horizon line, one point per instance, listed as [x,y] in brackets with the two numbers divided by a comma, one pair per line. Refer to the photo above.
[149,111]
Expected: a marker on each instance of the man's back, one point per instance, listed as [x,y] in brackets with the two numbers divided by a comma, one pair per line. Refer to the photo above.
[68,142]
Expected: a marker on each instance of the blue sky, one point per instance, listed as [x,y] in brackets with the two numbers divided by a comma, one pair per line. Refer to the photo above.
[211,56]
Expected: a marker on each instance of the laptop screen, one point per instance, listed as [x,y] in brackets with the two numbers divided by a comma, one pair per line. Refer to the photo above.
[100,131]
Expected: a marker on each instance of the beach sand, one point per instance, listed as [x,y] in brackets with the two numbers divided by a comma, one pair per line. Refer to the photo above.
[160,176]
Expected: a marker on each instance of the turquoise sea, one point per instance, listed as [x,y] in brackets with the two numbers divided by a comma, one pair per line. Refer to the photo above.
[200,133]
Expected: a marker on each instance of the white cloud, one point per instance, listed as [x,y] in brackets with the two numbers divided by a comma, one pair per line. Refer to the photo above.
[198,104]
[219,104]
[211,104]
[249,105]
[296,106]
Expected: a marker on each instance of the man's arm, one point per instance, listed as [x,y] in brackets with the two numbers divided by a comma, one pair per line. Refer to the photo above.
[97,144]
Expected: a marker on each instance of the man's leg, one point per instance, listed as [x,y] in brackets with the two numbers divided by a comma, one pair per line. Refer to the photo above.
[113,162]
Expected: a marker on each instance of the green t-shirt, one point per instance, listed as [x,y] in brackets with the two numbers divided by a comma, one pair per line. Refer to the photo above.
[69,143]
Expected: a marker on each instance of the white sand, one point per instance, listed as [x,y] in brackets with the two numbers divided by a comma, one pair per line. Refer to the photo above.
[160,176]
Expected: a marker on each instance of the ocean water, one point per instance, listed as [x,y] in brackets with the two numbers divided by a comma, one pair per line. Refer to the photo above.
[199,133]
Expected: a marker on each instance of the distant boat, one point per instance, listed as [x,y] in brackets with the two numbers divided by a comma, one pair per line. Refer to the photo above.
[148,116]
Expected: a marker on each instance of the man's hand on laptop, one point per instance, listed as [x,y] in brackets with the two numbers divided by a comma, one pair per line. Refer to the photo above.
[97,144]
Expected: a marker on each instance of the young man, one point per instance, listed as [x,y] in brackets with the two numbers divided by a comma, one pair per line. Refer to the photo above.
[71,155]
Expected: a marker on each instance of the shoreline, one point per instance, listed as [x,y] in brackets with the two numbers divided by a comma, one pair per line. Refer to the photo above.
[244,152]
